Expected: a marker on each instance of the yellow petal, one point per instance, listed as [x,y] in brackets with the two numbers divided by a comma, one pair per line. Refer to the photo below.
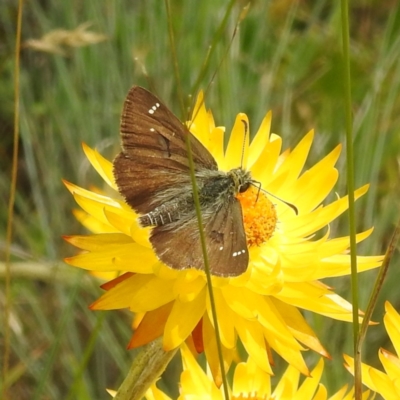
[287,386]
[211,351]
[311,297]
[321,394]
[249,379]
[251,335]
[315,184]
[101,165]
[193,379]
[121,256]
[217,145]
[391,363]
[313,192]
[341,394]
[138,292]
[238,145]
[266,279]
[263,168]
[299,327]
[225,320]
[151,326]
[293,163]
[276,329]
[339,265]
[74,189]
[259,141]
[199,125]
[187,289]
[120,219]
[91,223]
[283,342]
[392,325]
[307,224]
[154,393]
[95,207]
[310,384]
[177,328]
[97,242]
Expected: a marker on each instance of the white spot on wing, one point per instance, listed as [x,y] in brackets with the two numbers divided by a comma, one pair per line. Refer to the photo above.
[221,248]
[238,253]
[154,108]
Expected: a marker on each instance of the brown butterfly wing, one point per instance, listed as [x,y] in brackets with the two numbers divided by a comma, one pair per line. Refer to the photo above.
[154,161]
[154,155]
[225,242]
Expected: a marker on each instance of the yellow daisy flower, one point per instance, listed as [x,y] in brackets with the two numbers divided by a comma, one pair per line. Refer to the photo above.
[387,383]
[251,382]
[261,306]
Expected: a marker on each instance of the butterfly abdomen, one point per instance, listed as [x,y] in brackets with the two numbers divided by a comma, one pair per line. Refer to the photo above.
[168,212]
[214,187]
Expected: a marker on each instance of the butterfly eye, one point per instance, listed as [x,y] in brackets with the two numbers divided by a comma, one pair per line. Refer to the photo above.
[243,187]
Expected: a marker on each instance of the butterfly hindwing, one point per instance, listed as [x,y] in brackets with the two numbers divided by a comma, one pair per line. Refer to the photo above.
[225,242]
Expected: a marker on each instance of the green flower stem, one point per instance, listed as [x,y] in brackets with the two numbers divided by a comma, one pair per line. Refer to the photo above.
[350,188]
[147,366]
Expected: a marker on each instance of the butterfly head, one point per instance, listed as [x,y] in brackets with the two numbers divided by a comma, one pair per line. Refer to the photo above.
[241,180]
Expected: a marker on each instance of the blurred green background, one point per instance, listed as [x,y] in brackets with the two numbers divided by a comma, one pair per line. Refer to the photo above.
[285,57]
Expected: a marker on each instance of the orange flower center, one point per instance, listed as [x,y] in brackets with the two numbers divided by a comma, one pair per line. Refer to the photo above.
[259,216]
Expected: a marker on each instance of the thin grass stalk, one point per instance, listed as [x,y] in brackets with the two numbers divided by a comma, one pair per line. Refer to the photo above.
[11,204]
[207,269]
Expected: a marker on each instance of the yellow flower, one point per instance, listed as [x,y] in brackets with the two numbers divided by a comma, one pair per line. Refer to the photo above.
[287,260]
[251,382]
[386,384]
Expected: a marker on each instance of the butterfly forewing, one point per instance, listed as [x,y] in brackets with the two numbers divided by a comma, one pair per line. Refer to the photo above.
[154,155]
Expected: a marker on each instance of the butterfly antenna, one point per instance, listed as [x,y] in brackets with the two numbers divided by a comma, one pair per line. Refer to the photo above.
[258,186]
[246,131]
